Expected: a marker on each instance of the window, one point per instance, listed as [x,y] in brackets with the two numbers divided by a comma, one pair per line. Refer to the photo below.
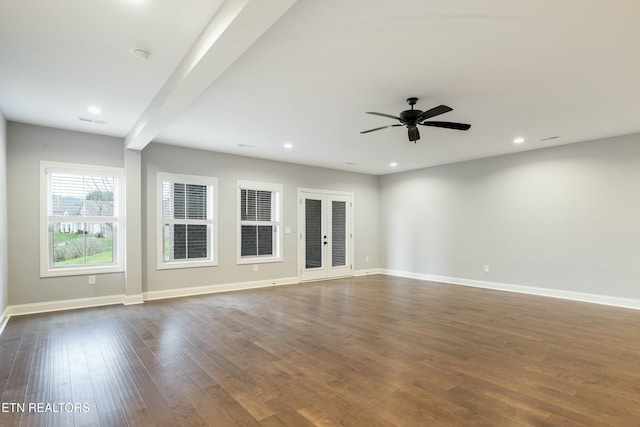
[187,235]
[81,217]
[259,230]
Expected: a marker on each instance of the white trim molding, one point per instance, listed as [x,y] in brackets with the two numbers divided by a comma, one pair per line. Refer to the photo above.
[132,299]
[531,290]
[47,219]
[276,221]
[211,220]
[71,304]
[212,289]
[326,198]
[68,304]
[4,318]
[368,272]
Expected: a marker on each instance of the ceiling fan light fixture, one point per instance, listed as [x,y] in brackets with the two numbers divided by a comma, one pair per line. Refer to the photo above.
[412,118]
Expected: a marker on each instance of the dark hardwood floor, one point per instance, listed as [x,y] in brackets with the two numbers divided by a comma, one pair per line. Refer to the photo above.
[370,351]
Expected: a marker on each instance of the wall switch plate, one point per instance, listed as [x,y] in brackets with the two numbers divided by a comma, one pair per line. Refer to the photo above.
[92,280]
[287,230]
[255,267]
[366,259]
[486,268]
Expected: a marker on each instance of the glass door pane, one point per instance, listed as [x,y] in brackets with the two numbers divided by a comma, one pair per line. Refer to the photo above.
[313,232]
[338,233]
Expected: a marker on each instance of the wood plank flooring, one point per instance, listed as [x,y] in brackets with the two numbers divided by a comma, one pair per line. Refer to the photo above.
[369,351]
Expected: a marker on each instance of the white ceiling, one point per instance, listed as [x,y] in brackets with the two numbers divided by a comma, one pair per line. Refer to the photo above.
[250,72]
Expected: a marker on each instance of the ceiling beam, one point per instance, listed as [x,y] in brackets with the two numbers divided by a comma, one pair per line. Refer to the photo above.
[233,29]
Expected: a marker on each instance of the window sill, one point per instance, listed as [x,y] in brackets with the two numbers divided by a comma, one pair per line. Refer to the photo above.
[80,271]
[258,260]
[186,264]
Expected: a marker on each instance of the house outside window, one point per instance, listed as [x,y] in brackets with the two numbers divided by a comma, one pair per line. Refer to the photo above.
[81,218]
[259,222]
[187,221]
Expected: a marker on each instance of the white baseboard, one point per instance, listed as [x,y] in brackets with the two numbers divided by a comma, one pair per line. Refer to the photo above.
[211,289]
[4,318]
[132,299]
[531,290]
[69,304]
[367,272]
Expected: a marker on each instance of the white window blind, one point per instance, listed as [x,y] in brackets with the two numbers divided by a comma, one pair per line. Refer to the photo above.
[187,219]
[260,234]
[338,233]
[81,218]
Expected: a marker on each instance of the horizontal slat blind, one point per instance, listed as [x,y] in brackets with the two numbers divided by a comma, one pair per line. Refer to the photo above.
[338,233]
[82,218]
[81,195]
[256,205]
[259,222]
[184,201]
[187,221]
[313,233]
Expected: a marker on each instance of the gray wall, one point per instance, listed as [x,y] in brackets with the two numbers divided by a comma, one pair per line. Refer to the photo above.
[4,259]
[563,218]
[27,146]
[228,169]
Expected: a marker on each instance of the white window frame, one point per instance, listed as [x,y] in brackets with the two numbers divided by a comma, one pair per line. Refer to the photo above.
[276,222]
[212,214]
[46,255]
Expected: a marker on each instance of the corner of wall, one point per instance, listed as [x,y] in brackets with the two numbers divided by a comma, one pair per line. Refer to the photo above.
[4,228]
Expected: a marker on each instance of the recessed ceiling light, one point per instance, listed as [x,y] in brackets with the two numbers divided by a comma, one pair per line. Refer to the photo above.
[288,145]
[94,109]
[393,164]
[518,140]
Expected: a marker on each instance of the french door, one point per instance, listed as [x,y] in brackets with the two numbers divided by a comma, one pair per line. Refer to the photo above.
[325,237]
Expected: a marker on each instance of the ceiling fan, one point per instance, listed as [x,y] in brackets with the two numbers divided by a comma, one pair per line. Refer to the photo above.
[412,118]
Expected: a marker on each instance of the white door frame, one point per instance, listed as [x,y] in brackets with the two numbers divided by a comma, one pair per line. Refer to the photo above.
[345,272]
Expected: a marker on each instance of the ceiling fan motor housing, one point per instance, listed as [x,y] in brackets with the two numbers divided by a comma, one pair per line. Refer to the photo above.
[410,116]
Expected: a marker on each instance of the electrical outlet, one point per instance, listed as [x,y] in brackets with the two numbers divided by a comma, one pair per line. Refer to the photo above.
[366,259]
[486,268]
[92,280]
[255,267]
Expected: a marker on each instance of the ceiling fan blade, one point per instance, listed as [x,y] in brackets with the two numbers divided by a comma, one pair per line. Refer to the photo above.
[435,111]
[382,127]
[447,125]
[385,115]
[375,129]
[414,134]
